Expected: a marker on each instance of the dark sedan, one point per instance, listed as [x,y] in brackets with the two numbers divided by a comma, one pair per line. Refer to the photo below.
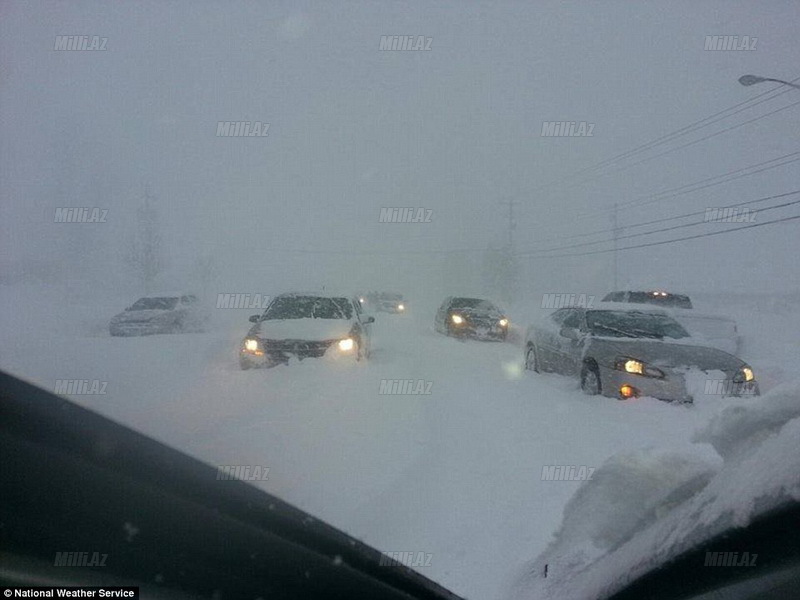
[474,318]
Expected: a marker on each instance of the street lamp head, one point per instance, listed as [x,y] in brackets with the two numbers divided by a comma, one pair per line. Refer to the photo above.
[750,79]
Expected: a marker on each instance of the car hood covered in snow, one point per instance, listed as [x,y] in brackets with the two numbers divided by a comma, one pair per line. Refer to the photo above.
[302,329]
[667,354]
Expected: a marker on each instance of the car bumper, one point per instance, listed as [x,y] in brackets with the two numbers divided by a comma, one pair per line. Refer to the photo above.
[277,353]
[478,333]
[671,389]
[134,329]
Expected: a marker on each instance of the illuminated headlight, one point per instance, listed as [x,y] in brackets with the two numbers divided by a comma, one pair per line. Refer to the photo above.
[346,345]
[457,319]
[253,347]
[362,300]
[745,374]
[401,307]
[503,322]
[637,367]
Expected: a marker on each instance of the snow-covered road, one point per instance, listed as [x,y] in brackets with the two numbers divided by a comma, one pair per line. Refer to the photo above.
[456,473]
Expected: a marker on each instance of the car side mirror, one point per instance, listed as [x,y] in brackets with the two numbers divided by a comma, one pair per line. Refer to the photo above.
[369,320]
[254,318]
[569,333]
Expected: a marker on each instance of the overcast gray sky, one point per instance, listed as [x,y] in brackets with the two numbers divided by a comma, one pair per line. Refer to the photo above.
[456,130]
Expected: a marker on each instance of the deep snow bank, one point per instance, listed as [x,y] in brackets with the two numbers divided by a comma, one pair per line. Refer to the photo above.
[643,508]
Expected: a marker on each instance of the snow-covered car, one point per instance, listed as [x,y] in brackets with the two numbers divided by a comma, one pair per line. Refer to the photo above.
[708,329]
[389,302]
[164,313]
[655,297]
[306,325]
[625,351]
[475,318]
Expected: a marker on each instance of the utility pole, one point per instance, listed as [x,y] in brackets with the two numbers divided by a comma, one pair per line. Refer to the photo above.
[615,221]
[509,274]
[511,223]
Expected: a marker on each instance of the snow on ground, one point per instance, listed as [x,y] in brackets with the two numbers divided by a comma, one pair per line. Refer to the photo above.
[456,474]
[644,508]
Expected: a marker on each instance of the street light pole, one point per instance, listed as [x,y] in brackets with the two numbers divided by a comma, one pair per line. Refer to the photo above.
[747,80]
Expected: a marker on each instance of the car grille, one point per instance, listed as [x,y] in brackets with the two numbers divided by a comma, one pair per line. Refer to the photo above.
[482,322]
[298,348]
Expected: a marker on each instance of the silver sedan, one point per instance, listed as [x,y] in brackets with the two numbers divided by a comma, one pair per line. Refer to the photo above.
[625,351]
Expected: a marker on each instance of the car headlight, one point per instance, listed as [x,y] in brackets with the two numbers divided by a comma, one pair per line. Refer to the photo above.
[346,344]
[252,346]
[637,367]
[401,307]
[503,322]
[362,300]
[457,319]
[745,374]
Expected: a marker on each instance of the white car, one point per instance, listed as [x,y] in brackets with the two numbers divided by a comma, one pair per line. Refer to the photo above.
[161,313]
[306,326]
[708,330]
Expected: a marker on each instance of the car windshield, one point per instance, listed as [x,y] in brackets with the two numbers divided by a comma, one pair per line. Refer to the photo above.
[155,304]
[321,179]
[474,304]
[659,299]
[633,324]
[309,307]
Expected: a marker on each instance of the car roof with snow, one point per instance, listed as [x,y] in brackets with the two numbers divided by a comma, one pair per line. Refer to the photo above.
[168,294]
[326,294]
[627,307]
[673,311]
[656,296]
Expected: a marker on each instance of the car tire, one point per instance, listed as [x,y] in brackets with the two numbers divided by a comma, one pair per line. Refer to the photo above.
[532,360]
[590,380]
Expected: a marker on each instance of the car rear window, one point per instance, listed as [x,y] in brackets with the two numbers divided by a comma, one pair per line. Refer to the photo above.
[155,304]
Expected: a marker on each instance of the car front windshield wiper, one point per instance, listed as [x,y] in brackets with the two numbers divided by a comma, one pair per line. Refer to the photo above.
[648,334]
[634,333]
[622,332]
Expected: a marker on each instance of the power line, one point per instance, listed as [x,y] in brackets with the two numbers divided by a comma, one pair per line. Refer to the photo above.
[680,191]
[677,192]
[374,252]
[695,126]
[690,237]
[678,133]
[732,127]
[633,235]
